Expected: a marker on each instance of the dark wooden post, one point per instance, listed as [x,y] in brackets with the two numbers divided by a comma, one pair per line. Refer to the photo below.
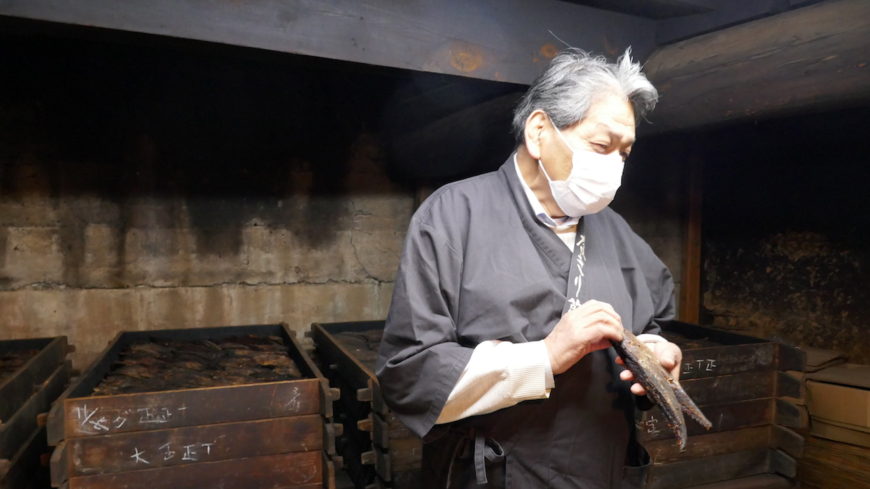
[690,287]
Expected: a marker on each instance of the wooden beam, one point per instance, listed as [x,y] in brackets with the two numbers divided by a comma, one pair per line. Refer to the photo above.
[729,13]
[503,40]
[809,58]
[690,282]
[472,140]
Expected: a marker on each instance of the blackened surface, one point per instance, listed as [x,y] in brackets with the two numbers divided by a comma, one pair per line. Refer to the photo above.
[206,138]
[786,230]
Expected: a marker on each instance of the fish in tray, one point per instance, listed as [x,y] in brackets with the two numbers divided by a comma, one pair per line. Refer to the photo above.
[664,390]
[160,365]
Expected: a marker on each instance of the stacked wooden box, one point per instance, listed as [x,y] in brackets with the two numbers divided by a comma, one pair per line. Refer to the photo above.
[743,386]
[379,451]
[246,435]
[830,464]
[838,398]
[33,373]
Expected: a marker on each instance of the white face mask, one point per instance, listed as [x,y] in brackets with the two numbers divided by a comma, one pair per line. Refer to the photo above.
[592,183]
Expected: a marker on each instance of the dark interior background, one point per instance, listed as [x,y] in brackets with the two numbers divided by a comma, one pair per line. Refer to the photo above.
[786,230]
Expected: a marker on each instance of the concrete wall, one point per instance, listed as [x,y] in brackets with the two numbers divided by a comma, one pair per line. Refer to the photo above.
[147,188]
[82,265]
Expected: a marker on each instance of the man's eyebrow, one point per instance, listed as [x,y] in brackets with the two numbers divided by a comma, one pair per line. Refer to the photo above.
[614,131]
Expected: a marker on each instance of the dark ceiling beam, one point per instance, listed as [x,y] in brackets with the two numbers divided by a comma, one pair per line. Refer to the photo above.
[729,13]
[504,40]
[652,9]
[806,59]
[473,140]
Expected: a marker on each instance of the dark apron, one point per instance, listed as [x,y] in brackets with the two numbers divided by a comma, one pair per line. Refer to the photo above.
[581,437]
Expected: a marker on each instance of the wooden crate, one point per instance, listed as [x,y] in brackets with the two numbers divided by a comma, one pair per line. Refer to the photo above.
[743,386]
[394,451]
[25,394]
[28,467]
[278,434]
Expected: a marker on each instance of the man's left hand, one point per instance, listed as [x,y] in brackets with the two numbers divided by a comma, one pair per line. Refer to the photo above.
[669,354]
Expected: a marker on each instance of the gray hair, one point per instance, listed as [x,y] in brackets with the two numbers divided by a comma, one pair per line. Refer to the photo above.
[574,79]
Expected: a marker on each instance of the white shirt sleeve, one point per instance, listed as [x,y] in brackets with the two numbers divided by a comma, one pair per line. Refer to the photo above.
[500,374]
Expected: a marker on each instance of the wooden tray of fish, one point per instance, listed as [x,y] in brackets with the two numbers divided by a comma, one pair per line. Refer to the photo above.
[176,404]
[349,352]
[26,468]
[742,386]
[33,373]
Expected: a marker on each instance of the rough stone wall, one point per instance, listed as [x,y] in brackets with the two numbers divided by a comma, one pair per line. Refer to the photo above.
[786,232]
[144,189]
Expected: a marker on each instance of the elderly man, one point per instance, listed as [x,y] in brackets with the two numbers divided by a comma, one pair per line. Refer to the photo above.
[512,285]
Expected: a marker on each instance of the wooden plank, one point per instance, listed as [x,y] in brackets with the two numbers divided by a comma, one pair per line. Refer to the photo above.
[790,358]
[731,388]
[805,59]
[787,440]
[309,369]
[689,473]
[788,385]
[75,414]
[386,427]
[329,479]
[833,465]
[690,282]
[328,436]
[791,415]
[354,372]
[850,375]
[819,357]
[94,416]
[18,388]
[761,481]
[81,386]
[381,461]
[300,469]
[22,424]
[94,455]
[503,40]
[709,445]
[339,360]
[24,467]
[782,463]
[724,338]
[378,403]
[59,465]
[729,13]
[724,417]
[354,406]
[727,360]
[406,454]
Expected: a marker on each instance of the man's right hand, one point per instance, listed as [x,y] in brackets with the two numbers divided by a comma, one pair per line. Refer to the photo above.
[588,328]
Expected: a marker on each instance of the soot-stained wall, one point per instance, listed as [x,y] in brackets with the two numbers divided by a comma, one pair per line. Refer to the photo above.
[786,230]
[146,188]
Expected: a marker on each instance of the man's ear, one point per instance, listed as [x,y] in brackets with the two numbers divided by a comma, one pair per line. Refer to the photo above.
[535,126]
